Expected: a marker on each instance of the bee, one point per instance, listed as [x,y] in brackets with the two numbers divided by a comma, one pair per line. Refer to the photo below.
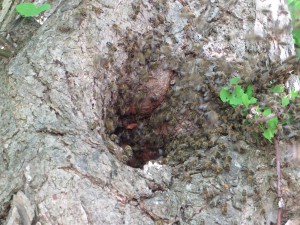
[207,165]
[114,138]
[136,9]
[187,13]
[111,47]
[234,223]
[250,177]
[64,28]
[249,117]
[224,207]
[154,21]
[187,177]
[244,196]
[213,160]
[228,158]
[128,151]
[205,144]
[159,222]
[161,18]
[241,147]
[208,195]
[266,11]
[105,62]
[217,168]
[82,12]
[154,65]
[262,211]
[109,126]
[93,124]
[139,57]
[223,146]
[202,222]
[117,29]
[226,166]
[218,155]
[124,158]
[212,117]
[97,10]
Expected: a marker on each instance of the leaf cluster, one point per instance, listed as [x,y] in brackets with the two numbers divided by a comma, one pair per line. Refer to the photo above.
[235,95]
[294,8]
[29,9]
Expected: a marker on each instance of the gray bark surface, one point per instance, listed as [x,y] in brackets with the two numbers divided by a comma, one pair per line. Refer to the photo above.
[56,163]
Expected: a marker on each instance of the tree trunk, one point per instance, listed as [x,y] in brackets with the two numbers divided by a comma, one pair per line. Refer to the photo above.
[100,78]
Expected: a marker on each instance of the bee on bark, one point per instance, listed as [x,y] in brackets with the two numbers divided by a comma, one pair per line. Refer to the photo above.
[244,196]
[136,9]
[117,29]
[207,165]
[250,177]
[226,166]
[111,47]
[114,138]
[65,28]
[128,151]
[109,125]
[224,207]
[154,21]
[217,168]
[228,158]
[208,194]
[124,158]
[218,155]
[262,210]
[187,13]
[187,177]
[97,10]
[223,146]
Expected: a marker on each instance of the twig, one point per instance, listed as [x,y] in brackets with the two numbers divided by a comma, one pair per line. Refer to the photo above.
[278,167]
[266,118]
[279,212]
[279,215]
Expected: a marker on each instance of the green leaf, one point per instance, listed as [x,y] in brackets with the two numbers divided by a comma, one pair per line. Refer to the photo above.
[267,112]
[249,90]
[29,9]
[245,100]
[285,101]
[294,94]
[235,80]
[225,95]
[277,89]
[238,91]
[269,134]
[272,123]
[234,101]
[252,100]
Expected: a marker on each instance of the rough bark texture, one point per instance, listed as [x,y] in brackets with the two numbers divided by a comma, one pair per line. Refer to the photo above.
[58,97]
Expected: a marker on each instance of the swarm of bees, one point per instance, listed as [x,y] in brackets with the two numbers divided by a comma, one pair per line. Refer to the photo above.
[184,118]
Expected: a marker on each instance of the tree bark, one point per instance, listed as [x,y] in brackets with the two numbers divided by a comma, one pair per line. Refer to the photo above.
[58,108]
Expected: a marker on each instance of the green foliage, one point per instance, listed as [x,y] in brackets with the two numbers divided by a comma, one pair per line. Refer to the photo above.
[29,9]
[235,80]
[294,7]
[235,95]
[271,127]
[277,89]
[238,96]
[285,101]
[294,94]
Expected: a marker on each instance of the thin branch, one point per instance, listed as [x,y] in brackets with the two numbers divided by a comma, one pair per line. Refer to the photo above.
[278,170]
[266,118]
